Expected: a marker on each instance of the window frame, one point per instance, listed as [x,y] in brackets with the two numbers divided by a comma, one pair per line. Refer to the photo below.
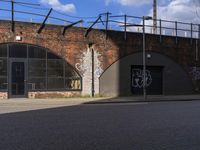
[47,51]
[7,71]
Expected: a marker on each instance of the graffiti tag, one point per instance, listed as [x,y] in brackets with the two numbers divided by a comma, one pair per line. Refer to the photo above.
[195,72]
[137,78]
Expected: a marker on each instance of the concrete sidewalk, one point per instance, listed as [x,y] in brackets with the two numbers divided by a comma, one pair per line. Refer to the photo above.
[22,104]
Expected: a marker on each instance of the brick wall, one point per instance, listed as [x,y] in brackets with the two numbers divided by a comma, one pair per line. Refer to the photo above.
[3,95]
[54,94]
[74,47]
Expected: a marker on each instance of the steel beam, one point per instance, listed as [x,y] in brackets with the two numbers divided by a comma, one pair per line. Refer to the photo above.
[43,24]
[90,28]
[70,25]
[12,12]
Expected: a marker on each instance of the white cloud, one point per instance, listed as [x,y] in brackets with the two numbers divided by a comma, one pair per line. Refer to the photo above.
[187,11]
[178,10]
[57,5]
[129,2]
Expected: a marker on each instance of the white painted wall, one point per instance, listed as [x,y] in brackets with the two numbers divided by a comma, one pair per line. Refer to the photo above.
[85,68]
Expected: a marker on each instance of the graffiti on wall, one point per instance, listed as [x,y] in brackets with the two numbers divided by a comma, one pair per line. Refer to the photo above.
[81,68]
[137,78]
[84,66]
[195,72]
[98,71]
[86,63]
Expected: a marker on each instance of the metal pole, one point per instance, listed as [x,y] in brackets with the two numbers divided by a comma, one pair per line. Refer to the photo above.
[197,51]
[191,34]
[199,31]
[107,20]
[155,17]
[160,30]
[125,20]
[92,72]
[144,61]
[13,23]
[43,24]
[176,31]
[90,28]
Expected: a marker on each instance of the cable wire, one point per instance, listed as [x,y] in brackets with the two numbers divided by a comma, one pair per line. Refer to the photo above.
[32,7]
[25,3]
[36,14]
[55,11]
[74,16]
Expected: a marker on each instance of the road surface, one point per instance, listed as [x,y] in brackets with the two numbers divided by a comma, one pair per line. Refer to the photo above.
[130,126]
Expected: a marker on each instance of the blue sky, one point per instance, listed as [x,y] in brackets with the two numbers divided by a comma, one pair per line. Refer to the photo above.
[180,10]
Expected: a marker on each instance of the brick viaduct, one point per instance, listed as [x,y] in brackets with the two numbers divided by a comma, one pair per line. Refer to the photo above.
[75,48]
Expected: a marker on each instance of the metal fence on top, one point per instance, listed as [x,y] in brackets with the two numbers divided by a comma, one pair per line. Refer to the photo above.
[107,21]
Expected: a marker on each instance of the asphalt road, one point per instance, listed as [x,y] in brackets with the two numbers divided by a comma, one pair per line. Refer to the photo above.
[139,126]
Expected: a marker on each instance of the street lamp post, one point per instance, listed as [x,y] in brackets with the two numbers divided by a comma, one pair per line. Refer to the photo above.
[144,58]
[144,55]
[143,50]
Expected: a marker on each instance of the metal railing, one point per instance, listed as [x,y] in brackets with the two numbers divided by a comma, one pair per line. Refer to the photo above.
[108,22]
[164,27]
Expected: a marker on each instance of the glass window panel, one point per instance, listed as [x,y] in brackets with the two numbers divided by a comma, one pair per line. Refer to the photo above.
[37,83]
[3,83]
[3,50]
[74,84]
[55,68]
[52,56]
[37,68]
[17,51]
[72,78]
[55,83]
[36,52]
[3,67]
[70,72]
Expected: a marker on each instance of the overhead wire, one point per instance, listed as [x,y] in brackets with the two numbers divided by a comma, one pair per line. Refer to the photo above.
[23,5]
[77,17]
[39,8]
[45,8]
[5,1]
[18,2]
[36,14]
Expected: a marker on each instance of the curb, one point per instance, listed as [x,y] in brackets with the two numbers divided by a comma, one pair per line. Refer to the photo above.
[141,101]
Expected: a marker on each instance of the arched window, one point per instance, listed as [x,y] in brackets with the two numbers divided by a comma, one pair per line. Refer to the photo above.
[45,70]
[3,67]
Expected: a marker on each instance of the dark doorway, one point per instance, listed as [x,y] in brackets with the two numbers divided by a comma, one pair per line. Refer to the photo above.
[153,80]
[18,79]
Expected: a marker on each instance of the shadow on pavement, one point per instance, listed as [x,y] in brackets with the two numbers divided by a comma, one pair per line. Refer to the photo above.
[149,98]
[103,127]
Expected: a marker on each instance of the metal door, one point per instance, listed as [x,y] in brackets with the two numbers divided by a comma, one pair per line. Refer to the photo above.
[18,78]
[153,80]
